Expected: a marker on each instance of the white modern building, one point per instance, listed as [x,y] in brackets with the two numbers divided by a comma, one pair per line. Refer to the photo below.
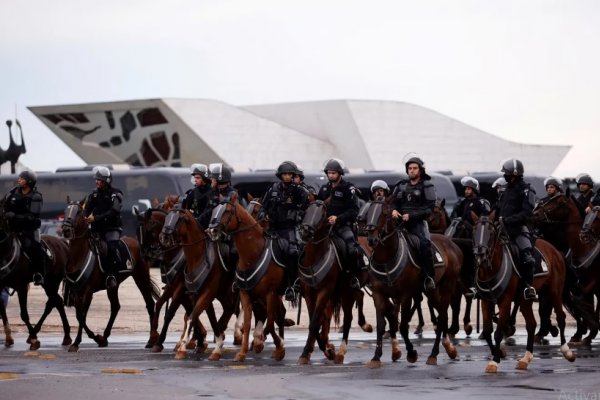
[372,135]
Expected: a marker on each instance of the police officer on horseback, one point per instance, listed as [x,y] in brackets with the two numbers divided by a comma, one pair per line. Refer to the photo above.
[414,203]
[202,198]
[342,211]
[22,209]
[471,202]
[299,180]
[553,188]
[103,211]
[379,188]
[283,204]
[514,209]
[585,184]
[221,180]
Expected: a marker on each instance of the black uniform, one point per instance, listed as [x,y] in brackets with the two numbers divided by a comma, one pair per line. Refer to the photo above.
[308,188]
[464,207]
[596,199]
[200,201]
[226,191]
[584,200]
[418,201]
[106,204]
[22,212]
[344,205]
[515,207]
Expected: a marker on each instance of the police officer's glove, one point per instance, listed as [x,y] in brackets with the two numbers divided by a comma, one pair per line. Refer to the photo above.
[10,215]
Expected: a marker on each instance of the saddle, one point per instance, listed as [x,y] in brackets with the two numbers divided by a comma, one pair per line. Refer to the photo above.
[541,264]
[101,249]
[413,247]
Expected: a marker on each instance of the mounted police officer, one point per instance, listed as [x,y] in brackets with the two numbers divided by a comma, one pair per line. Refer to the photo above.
[379,188]
[22,208]
[585,184]
[471,202]
[103,211]
[299,180]
[514,209]
[553,188]
[221,180]
[342,211]
[414,203]
[283,204]
[202,198]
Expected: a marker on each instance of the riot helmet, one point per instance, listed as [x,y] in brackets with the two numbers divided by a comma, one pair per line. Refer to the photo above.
[220,172]
[513,167]
[380,184]
[585,179]
[30,177]
[420,163]
[469,181]
[286,167]
[102,174]
[334,164]
[554,182]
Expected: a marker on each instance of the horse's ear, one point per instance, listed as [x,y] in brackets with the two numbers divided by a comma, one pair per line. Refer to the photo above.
[177,198]
[156,203]
[68,199]
[249,197]
[443,202]
[234,197]
[310,198]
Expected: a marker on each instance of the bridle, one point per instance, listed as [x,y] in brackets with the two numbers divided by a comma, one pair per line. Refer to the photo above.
[588,234]
[313,219]
[175,217]
[216,228]
[557,201]
[73,216]
[481,241]
[377,223]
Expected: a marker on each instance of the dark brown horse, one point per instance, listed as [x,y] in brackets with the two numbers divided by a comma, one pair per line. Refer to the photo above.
[559,220]
[325,284]
[498,283]
[258,275]
[16,272]
[84,276]
[395,275]
[206,277]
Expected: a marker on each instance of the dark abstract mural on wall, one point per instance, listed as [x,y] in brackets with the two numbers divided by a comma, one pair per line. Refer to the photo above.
[141,137]
[14,150]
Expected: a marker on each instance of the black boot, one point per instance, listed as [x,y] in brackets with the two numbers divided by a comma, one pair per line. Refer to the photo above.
[528,263]
[38,262]
[428,273]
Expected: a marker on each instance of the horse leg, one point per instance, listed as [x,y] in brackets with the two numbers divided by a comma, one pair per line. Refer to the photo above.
[8,339]
[530,325]
[362,321]
[544,311]
[272,311]
[443,324]
[115,306]
[167,293]
[212,320]
[487,314]
[169,315]
[149,292]
[380,303]
[347,303]
[181,349]
[81,311]
[467,318]
[560,320]
[32,338]
[454,327]
[434,318]
[60,307]
[237,328]
[502,328]
[411,353]
[247,310]
[315,309]
[512,327]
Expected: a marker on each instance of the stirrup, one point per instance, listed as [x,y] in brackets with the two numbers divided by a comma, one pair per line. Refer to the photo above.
[38,279]
[529,293]
[471,292]
[111,282]
[429,284]
[290,294]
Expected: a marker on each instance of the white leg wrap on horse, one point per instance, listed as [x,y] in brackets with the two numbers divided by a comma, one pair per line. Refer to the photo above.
[343,348]
[528,357]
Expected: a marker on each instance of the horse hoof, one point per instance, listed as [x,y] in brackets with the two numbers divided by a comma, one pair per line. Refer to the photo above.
[412,356]
[418,330]
[240,357]
[278,355]
[73,348]
[451,336]
[259,347]
[67,341]
[554,331]
[468,329]
[157,348]
[191,345]
[431,360]
[396,354]
[214,357]
[502,352]
[201,349]
[491,368]
[28,341]
[522,365]
[386,335]
[35,344]
[181,355]
[541,341]
[237,340]
[452,353]
[303,360]
[575,339]
[367,328]
[570,356]
[512,330]
[510,341]
[373,364]
[288,322]
[9,342]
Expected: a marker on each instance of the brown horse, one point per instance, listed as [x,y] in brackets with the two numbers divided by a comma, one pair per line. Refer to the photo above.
[16,272]
[84,276]
[171,262]
[206,277]
[589,272]
[498,283]
[395,275]
[559,220]
[258,275]
[325,285]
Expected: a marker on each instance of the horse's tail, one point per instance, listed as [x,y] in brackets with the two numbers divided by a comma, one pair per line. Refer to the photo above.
[577,306]
[155,289]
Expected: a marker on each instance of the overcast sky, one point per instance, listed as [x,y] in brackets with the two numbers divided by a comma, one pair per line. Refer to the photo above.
[524,70]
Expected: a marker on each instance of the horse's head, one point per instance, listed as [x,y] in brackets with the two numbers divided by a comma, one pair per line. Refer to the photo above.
[150,223]
[74,225]
[484,239]
[315,218]
[438,220]
[553,210]
[590,231]
[225,217]
[377,219]
[178,228]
